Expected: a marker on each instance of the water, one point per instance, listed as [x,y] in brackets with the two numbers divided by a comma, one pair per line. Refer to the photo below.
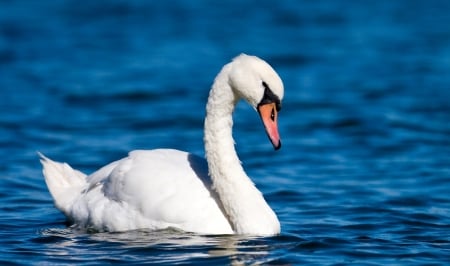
[364,173]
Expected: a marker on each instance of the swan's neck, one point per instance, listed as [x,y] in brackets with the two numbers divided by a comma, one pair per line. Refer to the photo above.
[243,203]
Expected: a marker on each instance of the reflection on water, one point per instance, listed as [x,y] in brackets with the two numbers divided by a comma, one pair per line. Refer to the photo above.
[165,246]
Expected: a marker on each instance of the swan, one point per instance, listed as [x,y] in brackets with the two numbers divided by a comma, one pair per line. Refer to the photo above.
[166,188]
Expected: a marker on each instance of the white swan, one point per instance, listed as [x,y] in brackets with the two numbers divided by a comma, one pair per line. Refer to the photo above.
[158,189]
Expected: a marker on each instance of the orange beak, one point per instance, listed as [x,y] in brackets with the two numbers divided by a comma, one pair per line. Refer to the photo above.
[269,116]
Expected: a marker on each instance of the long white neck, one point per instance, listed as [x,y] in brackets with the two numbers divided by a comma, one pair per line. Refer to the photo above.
[242,202]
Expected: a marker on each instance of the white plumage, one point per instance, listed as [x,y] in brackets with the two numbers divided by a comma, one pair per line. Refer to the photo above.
[158,189]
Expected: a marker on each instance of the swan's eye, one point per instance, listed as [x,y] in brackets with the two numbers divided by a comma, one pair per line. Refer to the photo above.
[270,97]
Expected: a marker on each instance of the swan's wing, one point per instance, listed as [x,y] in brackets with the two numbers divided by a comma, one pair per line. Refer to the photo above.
[101,175]
[153,189]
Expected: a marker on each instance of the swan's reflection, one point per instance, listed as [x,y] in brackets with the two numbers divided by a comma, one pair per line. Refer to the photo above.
[162,246]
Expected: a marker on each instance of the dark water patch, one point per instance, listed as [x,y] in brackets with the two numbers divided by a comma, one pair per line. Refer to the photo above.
[7,57]
[48,239]
[311,246]
[348,123]
[361,227]
[412,202]
[127,96]
[286,195]
[290,60]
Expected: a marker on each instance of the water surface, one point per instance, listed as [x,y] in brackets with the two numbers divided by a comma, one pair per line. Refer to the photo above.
[364,172]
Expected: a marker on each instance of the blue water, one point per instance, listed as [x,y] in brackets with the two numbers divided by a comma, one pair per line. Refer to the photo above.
[363,176]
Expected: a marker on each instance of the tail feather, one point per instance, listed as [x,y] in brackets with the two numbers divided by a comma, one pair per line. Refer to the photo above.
[63,182]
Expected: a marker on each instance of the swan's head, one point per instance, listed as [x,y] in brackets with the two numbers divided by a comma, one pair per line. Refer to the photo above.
[255,81]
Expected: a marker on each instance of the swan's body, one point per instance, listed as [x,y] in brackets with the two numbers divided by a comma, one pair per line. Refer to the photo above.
[157,189]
